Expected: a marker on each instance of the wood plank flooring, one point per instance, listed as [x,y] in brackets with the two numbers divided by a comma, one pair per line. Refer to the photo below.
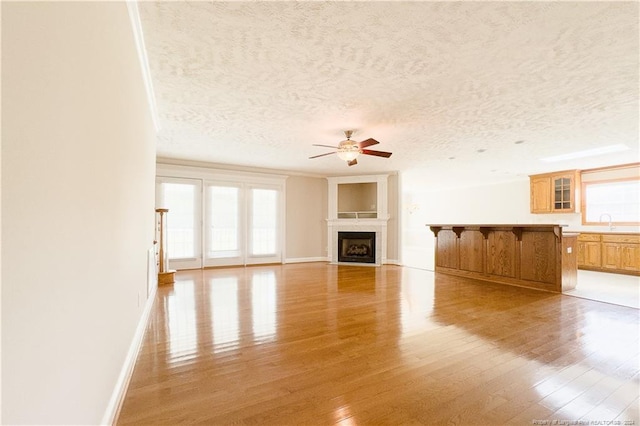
[322,344]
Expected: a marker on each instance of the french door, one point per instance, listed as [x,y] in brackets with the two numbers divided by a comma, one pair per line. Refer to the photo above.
[183,198]
[242,224]
[221,223]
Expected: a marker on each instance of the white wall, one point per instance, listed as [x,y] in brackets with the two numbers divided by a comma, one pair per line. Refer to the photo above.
[506,203]
[78,166]
[500,203]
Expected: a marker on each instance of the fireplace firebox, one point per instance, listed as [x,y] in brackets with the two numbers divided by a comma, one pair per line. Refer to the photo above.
[358,247]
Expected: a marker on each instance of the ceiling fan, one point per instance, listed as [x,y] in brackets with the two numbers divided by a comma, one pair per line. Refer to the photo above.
[349,150]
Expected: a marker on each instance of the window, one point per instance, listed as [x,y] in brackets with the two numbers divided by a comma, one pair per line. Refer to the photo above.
[180,200]
[616,202]
[264,224]
[223,226]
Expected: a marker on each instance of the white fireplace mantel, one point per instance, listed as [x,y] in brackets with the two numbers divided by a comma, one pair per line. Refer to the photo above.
[377,224]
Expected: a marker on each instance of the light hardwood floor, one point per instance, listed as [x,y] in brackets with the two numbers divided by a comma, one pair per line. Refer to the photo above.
[323,344]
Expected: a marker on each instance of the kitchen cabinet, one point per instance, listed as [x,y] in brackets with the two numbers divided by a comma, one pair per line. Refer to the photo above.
[556,192]
[589,250]
[617,253]
[621,252]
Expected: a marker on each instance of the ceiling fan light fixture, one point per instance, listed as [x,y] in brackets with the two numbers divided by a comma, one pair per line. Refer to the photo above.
[349,150]
[349,153]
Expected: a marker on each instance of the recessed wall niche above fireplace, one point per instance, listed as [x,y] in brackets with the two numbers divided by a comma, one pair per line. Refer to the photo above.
[358,205]
[357,247]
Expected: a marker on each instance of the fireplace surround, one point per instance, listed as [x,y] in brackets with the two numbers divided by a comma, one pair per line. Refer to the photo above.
[360,209]
[357,247]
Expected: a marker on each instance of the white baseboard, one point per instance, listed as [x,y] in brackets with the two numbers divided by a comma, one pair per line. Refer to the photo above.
[393,262]
[306,259]
[117,397]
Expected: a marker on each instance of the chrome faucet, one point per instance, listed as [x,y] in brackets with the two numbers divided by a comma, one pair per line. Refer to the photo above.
[608,215]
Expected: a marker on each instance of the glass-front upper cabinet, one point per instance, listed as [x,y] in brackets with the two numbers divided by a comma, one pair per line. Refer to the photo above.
[562,193]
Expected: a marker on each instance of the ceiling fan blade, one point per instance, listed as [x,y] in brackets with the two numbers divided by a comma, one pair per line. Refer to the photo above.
[322,155]
[326,146]
[376,153]
[352,162]
[367,143]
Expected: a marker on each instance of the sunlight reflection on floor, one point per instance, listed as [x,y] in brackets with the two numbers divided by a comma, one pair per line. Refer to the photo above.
[618,289]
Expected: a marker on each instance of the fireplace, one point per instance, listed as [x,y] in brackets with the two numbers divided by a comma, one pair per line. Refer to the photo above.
[358,247]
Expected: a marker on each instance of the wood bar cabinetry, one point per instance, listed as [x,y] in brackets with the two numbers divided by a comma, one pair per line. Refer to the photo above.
[535,256]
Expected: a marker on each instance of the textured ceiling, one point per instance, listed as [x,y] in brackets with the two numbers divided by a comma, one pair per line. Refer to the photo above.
[257,83]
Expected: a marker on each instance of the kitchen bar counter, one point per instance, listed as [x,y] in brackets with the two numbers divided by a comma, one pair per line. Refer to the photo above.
[535,256]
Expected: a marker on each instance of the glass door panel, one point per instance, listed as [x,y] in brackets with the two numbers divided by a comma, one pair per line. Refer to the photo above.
[224,226]
[182,198]
[263,226]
